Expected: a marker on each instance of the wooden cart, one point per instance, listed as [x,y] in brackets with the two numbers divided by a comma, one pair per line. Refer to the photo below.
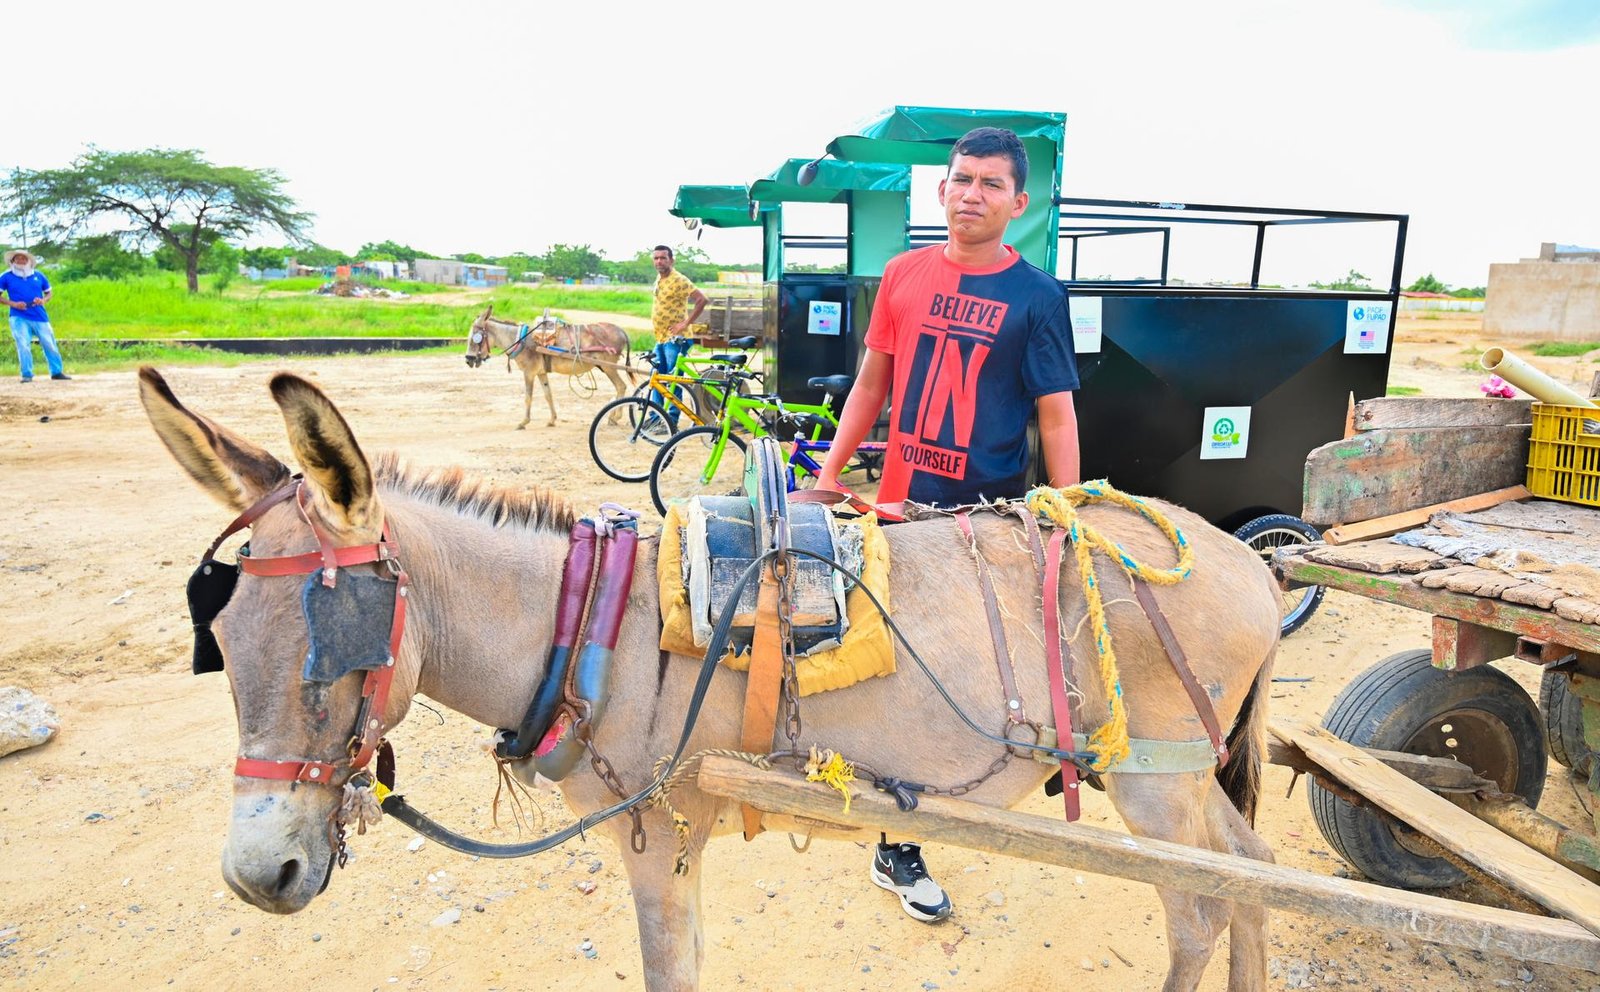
[1503,575]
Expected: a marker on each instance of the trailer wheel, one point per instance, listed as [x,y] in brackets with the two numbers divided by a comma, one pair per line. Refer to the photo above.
[1265,535]
[1479,716]
[1563,723]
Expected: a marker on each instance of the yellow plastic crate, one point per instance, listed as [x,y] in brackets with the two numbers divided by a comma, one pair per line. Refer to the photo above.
[1564,460]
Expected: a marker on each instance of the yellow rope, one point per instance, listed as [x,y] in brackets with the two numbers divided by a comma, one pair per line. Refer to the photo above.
[688,767]
[1110,741]
[830,768]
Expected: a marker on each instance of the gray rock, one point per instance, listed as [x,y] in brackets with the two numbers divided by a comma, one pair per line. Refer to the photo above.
[449,916]
[25,720]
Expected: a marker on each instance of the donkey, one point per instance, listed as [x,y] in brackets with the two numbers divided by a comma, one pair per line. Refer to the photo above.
[583,347]
[485,568]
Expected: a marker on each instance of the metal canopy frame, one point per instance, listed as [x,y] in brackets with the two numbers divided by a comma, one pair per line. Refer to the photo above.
[1170,212]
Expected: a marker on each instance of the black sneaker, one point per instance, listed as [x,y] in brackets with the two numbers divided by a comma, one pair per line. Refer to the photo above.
[899,868]
[61,375]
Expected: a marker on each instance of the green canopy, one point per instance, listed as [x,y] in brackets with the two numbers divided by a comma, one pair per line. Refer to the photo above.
[833,183]
[923,136]
[718,206]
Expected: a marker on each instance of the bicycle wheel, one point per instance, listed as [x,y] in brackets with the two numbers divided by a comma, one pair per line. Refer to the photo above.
[625,436]
[696,462]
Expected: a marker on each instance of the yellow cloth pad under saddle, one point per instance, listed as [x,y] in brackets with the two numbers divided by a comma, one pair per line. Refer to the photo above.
[867,649]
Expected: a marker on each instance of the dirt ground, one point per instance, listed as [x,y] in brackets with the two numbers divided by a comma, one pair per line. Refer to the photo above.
[110,834]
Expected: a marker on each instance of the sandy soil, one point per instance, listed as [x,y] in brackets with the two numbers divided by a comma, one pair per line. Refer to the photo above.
[110,834]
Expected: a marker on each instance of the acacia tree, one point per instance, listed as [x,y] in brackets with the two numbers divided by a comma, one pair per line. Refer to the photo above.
[173,196]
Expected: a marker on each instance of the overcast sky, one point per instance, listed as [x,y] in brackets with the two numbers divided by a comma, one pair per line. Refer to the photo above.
[497,127]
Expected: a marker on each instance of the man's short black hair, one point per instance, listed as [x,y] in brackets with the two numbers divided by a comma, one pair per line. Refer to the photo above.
[662,248]
[983,142]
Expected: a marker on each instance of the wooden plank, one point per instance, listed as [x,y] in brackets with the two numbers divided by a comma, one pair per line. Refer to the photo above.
[1508,861]
[1394,523]
[1382,472]
[1395,412]
[1375,556]
[1411,591]
[1437,774]
[1223,876]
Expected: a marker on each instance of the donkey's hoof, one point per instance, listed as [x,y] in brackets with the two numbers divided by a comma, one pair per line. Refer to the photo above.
[522,426]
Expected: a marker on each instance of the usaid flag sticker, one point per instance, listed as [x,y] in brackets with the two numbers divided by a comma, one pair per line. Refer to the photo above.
[1366,327]
[824,317]
[1225,432]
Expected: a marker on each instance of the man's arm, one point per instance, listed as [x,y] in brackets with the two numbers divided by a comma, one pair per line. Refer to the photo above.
[1058,436]
[699,300]
[860,412]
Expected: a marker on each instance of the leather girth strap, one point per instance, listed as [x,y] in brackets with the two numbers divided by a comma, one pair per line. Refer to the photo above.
[1180,663]
[997,628]
[765,678]
[1058,659]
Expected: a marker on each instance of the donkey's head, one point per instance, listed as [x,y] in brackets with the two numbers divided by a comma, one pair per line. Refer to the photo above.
[300,683]
[478,346]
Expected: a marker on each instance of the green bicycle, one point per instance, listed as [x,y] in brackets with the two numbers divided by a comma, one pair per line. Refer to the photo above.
[626,433]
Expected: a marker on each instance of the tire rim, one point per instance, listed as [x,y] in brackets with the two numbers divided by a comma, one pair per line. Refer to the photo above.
[1474,737]
[1294,603]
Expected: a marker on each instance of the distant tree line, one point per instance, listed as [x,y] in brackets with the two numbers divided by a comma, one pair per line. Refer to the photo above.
[114,215]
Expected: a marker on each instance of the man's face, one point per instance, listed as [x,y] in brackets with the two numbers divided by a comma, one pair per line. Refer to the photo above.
[22,259]
[980,198]
[663,262]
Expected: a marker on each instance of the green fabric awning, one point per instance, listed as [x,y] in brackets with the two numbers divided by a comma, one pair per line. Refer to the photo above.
[717,206]
[923,135]
[834,182]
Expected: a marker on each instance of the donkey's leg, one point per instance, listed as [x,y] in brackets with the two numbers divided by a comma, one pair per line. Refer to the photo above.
[621,388]
[666,906]
[1173,808]
[1247,932]
[549,398]
[527,399]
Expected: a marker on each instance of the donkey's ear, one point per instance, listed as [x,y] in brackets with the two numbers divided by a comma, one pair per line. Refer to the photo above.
[340,477]
[235,472]
[488,312]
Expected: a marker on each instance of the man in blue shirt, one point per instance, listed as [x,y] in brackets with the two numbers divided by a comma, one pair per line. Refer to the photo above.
[26,293]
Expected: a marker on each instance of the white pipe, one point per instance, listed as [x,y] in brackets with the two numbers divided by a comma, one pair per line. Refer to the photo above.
[1530,380]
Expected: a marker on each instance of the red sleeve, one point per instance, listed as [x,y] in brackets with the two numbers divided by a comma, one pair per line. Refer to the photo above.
[881,331]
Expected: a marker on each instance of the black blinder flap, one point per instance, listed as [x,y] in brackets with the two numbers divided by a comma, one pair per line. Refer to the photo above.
[349,624]
[209,589]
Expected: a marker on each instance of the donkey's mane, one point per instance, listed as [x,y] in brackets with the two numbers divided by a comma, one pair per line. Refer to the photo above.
[538,508]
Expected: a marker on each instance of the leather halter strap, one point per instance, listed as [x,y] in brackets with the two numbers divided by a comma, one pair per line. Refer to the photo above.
[1180,663]
[1057,657]
[997,627]
[367,734]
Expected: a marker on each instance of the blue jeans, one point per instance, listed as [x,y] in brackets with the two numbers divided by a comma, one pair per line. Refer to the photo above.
[666,359]
[21,329]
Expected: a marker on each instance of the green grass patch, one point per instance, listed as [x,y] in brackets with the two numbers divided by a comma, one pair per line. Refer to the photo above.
[88,355]
[1564,349]
[1405,391]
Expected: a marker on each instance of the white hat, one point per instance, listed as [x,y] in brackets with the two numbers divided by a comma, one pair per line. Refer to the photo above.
[14,252]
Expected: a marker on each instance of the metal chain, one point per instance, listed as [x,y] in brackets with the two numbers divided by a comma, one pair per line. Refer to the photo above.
[791,682]
[608,775]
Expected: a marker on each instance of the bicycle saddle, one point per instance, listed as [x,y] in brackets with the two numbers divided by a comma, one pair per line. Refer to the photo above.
[735,360]
[748,342]
[830,383]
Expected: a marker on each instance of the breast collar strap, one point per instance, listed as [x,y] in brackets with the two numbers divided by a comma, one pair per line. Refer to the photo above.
[367,734]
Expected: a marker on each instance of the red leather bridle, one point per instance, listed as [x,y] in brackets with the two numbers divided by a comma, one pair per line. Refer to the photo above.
[367,734]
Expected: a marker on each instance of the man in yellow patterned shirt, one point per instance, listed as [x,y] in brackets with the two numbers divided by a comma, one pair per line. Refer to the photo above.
[671,316]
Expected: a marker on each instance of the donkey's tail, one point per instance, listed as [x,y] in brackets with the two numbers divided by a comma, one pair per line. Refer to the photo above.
[1241,777]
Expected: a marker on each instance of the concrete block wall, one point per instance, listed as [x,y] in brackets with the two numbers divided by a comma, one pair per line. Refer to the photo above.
[1552,301]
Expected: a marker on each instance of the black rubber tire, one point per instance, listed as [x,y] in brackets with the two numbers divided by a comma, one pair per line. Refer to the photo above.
[1273,531]
[673,475]
[1479,716]
[626,448]
[1563,723]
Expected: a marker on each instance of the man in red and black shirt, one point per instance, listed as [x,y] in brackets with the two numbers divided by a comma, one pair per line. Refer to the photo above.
[967,341]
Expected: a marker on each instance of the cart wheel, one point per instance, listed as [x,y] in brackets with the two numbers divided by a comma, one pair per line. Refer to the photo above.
[1479,716]
[1563,723]
[1265,535]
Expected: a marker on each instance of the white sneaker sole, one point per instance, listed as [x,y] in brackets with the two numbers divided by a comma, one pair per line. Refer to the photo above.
[883,881]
